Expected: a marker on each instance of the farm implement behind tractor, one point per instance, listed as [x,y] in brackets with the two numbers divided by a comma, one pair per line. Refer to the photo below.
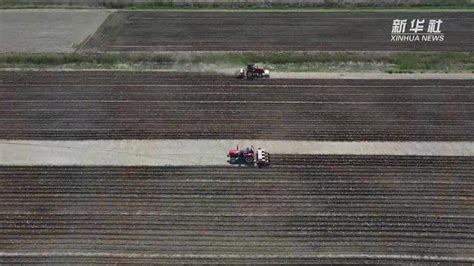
[249,157]
[253,71]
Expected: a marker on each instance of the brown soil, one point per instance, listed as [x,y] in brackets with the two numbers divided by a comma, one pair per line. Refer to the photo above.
[124,105]
[372,209]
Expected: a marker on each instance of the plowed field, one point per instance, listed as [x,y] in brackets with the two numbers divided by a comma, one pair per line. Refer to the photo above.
[304,209]
[122,105]
[275,31]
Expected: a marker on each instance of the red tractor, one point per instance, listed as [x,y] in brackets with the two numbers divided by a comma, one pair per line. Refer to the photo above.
[249,157]
[253,71]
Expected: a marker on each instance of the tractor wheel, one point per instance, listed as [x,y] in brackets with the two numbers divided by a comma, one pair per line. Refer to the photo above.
[249,75]
[248,159]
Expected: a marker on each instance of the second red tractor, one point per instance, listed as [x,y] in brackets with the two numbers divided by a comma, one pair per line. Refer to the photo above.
[253,71]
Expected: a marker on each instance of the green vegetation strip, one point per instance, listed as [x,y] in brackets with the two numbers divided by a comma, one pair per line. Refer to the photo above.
[299,62]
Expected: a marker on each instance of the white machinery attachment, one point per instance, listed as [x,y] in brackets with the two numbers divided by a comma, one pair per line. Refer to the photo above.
[263,158]
[267,73]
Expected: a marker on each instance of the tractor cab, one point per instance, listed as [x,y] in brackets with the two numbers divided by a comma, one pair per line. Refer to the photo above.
[252,67]
[244,156]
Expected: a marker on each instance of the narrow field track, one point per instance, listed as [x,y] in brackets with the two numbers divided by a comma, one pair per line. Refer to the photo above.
[112,105]
[279,31]
[304,209]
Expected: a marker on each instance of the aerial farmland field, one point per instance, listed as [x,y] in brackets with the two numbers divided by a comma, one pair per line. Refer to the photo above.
[116,144]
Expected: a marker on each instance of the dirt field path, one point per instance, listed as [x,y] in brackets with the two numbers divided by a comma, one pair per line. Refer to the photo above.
[200,152]
[355,75]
